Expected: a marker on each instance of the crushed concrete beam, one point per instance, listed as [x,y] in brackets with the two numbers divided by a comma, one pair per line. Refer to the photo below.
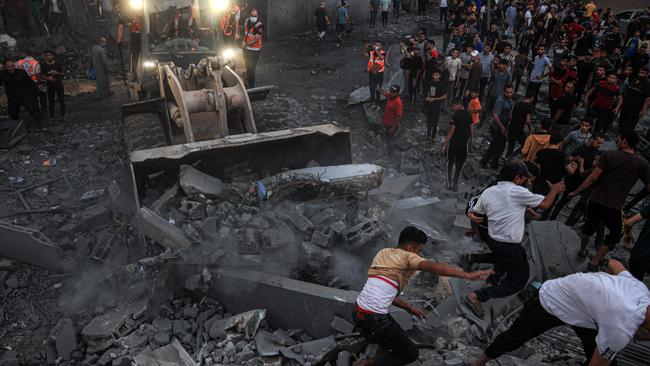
[348,177]
[157,205]
[161,231]
[29,246]
[171,354]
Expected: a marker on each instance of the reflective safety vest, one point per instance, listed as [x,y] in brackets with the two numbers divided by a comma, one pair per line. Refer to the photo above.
[252,34]
[376,64]
[228,20]
[30,66]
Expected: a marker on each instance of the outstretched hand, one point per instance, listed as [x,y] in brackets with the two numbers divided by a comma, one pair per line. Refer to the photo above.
[479,275]
[417,312]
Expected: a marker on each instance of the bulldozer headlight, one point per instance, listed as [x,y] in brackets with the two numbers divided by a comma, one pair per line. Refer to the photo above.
[149,64]
[219,5]
[136,4]
[228,54]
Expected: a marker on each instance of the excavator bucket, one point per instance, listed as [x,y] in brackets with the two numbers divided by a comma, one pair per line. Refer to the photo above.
[252,156]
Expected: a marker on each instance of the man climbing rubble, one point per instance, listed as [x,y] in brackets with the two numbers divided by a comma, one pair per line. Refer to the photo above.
[605,310]
[388,275]
[504,206]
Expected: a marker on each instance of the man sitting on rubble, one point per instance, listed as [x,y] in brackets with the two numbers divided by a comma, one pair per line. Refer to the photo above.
[388,275]
[504,207]
[604,310]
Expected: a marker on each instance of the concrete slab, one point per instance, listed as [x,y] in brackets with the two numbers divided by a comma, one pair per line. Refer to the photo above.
[348,177]
[193,181]
[552,248]
[289,303]
[395,185]
[414,202]
[265,345]
[172,354]
[314,352]
[65,338]
[161,231]
[29,246]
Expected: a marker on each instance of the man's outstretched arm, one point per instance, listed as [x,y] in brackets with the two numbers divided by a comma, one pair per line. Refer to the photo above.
[443,269]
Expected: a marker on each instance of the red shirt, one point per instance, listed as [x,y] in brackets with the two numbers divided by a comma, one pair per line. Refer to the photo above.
[575,29]
[605,94]
[557,90]
[394,109]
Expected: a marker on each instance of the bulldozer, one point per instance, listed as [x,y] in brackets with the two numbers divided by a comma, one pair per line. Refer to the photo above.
[191,106]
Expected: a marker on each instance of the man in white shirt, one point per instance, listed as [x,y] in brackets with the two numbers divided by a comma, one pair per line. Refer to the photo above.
[504,207]
[605,310]
[452,63]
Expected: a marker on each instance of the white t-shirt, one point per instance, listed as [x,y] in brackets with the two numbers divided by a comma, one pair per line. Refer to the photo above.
[443,3]
[529,17]
[384,5]
[613,305]
[453,66]
[505,205]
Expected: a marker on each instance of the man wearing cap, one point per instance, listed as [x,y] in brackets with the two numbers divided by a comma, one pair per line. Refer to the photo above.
[392,114]
[605,310]
[505,205]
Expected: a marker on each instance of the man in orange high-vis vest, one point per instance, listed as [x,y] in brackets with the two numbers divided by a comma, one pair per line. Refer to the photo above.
[253,30]
[33,68]
[376,64]
[229,24]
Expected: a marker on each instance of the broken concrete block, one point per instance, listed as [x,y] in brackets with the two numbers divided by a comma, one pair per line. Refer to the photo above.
[246,323]
[344,359]
[161,231]
[457,327]
[29,246]
[162,338]
[362,233]
[338,227]
[272,361]
[282,338]
[172,354]
[323,239]
[341,325]
[193,181]
[315,253]
[244,356]
[266,344]
[299,221]
[414,202]
[313,352]
[322,217]
[95,216]
[278,236]
[65,338]
[345,178]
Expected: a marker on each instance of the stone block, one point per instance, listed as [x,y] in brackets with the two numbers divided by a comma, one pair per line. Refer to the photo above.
[193,181]
[323,239]
[161,231]
[95,216]
[65,338]
[341,325]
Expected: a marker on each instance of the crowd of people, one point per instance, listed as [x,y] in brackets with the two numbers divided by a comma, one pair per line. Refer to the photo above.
[549,81]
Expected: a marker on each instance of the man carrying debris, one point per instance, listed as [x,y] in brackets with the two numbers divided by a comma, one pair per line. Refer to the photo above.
[504,207]
[388,275]
[605,310]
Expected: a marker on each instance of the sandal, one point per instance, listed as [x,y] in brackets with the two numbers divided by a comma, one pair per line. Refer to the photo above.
[477,309]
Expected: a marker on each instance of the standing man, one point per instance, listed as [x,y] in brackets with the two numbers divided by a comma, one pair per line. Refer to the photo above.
[253,30]
[342,19]
[436,96]
[455,145]
[374,9]
[393,113]
[636,100]
[388,275]
[56,12]
[511,19]
[99,62]
[465,66]
[561,120]
[500,121]
[541,65]
[505,206]
[614,176]
[52,73]
[522,115]
[229,24]
[486,58]
[640,255]
[19,88]
[322,20]
[500,78]
[606,103]
[453,65]
[376,65]
[604,310]
[397,5]
[384,7]
[443,10]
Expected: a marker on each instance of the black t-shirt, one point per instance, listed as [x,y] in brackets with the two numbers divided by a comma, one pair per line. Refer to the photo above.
[584,69]
[519,113]
[551,165]
[491,37]
[437,89]
[46,68]
[635,94]
[462,120]
[639,60]
[584,44]
[588,154]
[611,41]
[321,21]
[415,66]
[566,103]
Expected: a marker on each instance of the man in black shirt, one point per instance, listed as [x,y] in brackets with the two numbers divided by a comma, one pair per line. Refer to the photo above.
[52,73]
[20,90]
[458,135]
[585,68]
[564,110]
[612,39]
[551,165]
[322,20]
[521,116]
[636,100]
[436,95]
[640,58]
